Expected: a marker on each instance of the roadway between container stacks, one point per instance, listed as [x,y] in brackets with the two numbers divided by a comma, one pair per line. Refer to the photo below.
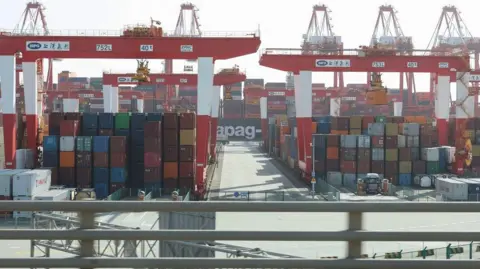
[246,169]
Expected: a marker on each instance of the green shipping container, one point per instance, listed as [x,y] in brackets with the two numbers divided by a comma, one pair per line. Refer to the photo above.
[84,143]
[391,155]
[122,120]
[381,119]
[433,168]
[391,129]
[405,167]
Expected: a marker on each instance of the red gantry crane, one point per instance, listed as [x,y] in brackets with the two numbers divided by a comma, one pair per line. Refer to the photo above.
[321,39]
[388,35]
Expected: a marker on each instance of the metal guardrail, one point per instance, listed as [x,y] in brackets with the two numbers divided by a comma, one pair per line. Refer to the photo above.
[354,234]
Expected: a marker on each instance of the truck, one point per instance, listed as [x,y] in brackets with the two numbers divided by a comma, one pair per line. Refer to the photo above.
[370,184]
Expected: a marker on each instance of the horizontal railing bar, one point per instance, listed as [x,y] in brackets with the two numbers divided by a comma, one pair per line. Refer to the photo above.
[209,235]
[154,206]
[235,263]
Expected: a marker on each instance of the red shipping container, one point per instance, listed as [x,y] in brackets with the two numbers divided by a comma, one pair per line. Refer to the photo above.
[419,167]
[73,116]
[391,168]
[170,154]
[349,167]
[105,132]
[100,159]
[363,166]
[187,153]
[152,175]
[333,141]
[378,167]
[152,129]
[152,159]
[170,184]
[84,178]
[83,159]
[378,141]
[320,165]
[116,186]
[153,144]
[187,121]
[404,154]
[366,120]
[118,144]
[66,176]
[186,183]
[170,137]
[333,165]
[186,169]
[391,142]
[170,121]
[69,128]
[118,159]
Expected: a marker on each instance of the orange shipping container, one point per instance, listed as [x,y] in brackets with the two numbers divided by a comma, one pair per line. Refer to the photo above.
[67,159]
[170,170]
[332,153]
[314,127]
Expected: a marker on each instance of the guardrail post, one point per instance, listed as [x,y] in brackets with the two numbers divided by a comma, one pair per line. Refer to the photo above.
[449,251]
[424,253]
[470,252]
[87,221]
[354,224]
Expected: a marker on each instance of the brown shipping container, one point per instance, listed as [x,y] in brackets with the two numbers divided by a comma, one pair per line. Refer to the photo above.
[378,167]
[187,121]
[419,167]
[54,171]
[333,165]
[320,166]
[118,144]
[170,137]
[170,121]
[170,184]
[73,116]
[391,142]
[170,170]
[475,161]
[187,137]
[84,178]
[105,132]
[170,154]
[333,141]
[187,153]
[427,141]
[66,176]
[395,119]
[186,183]
[340,123]
[186,169]
[404,154]
[333,153]
[393,178]
[391,167]
[153,144]
[349,167]
[363,166]
[378,141]
[100,159]
[152,129]
[84,159]
[118,159]
[67,159]
[69,128]
[152,175]
[364,154]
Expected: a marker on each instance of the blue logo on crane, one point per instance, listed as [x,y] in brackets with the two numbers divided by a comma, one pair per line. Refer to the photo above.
[34,45]
[322,63]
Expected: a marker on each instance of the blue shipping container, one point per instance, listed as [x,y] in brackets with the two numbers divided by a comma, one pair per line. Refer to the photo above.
[405,179]
[101,143]
[137,154]
[101,175]
[51,143]
[154,116]
[138,137]
[324,119]
[137,121]
[79,79]
[323,128]
[101,190]
[90,121]
[105,120]
[293,148]
[122,132]
[118,175]
[51,159]
[90,132]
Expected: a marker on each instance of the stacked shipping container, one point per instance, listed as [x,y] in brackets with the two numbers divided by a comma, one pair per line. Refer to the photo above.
[171,150]
[232,109]
[186,158]
[153,154]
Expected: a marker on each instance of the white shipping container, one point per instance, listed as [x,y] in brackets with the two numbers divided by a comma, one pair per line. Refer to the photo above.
[54,195]
[31,183]
[431,154]
[67,143]
[451,189]
[6,178]
[364,141]
[23,214]
[402,141]
[24,159]
[71,105]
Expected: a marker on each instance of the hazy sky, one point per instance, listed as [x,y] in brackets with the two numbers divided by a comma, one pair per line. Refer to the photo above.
[282,24]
